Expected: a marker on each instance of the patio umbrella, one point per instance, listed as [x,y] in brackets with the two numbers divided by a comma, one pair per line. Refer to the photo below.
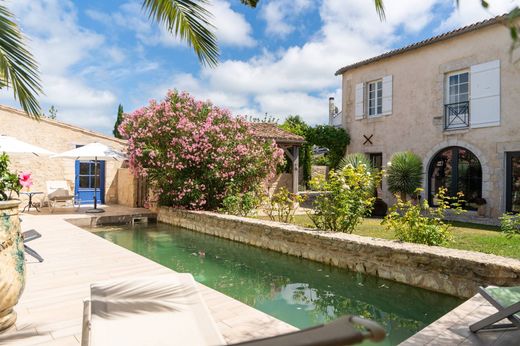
[93,151]
[13,145]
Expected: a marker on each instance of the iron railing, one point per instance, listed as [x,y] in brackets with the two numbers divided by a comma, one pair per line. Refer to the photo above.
[456,115]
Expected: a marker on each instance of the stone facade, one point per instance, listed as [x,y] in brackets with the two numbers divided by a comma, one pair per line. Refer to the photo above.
[415,121]
[56,137]
[450,271]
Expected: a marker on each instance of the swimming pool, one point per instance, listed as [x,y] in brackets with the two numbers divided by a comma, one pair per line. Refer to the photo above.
[297,291]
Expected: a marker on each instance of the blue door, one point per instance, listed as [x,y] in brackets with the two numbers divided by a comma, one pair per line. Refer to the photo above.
[86,178]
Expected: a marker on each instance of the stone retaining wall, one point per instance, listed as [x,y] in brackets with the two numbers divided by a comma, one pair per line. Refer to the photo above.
[450,271]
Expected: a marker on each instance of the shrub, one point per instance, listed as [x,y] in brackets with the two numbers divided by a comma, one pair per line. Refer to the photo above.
[348,197]
[419,223]
[282,205]
[194,154]
[241,204]
[9,181]
[405,173]
[510,224]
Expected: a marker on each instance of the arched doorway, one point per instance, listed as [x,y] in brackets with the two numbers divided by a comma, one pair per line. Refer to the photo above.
[458,170]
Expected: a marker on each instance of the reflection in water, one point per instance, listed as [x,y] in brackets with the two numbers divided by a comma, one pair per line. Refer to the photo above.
[300,292]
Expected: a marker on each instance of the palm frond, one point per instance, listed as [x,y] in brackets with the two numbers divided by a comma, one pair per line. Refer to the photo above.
[380,9]
[18,69]
[250,3]
[189,20]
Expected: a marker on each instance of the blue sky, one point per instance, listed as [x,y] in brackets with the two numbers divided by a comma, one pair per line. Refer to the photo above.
[279,58]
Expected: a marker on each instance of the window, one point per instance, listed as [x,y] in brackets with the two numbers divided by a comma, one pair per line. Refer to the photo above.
[458,170]
[375,98]
[456,109]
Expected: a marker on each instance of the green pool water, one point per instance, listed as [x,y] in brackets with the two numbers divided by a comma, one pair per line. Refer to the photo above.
[298,291]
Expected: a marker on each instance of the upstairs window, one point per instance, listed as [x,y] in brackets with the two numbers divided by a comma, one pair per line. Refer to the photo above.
[375,98]
[456,108]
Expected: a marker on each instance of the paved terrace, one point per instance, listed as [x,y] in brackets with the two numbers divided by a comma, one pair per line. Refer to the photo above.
[50,309]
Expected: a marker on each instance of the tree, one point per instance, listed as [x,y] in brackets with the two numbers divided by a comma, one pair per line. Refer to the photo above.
[295,124]
[18,69]
[53,112]
[333,138]
[119,120]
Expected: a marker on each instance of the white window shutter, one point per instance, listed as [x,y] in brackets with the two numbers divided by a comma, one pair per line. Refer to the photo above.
[387,95]
[484,104]
[360,100]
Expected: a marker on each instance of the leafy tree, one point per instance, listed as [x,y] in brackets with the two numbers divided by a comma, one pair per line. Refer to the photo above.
[53,112]
[119,120]
[333,138]
[295,124]
[405,173]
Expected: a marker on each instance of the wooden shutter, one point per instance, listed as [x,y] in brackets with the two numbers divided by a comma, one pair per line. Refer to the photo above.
[387,95]
[360,100]
[484,104]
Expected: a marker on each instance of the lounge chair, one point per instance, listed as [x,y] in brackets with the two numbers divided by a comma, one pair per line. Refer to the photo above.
[58,192]
[507,302]
[27,237]
[168,310]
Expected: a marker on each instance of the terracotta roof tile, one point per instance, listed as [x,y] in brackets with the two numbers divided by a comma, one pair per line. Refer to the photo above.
[273,131]
[434,39]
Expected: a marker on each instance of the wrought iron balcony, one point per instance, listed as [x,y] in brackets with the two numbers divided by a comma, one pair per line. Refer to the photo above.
[456,115]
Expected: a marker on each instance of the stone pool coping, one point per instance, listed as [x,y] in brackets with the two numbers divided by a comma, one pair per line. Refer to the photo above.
[50,309]
[450,271]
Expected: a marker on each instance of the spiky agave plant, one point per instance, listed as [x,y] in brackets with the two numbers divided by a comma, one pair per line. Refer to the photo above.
[355,159]
[405,173]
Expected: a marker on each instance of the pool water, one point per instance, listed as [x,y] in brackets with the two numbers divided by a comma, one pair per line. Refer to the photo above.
[298,291]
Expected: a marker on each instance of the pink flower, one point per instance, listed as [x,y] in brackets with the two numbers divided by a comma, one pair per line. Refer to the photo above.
[25,179]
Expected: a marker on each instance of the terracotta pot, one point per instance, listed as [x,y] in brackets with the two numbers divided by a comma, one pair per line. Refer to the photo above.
[12,262]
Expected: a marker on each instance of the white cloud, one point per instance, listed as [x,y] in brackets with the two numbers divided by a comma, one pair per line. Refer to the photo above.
[471,11]
[280,15]
[59,44]
[232,28]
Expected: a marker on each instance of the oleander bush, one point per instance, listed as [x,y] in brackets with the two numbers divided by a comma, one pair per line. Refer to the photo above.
[9,181]
[195,154]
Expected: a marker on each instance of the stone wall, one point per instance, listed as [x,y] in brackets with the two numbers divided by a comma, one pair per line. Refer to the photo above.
[126,188]
[450,271]
[56,137]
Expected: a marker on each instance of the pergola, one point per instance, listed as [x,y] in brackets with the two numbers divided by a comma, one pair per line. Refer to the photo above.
[289,142]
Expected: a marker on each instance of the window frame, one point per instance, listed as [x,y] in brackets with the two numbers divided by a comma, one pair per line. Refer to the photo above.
[447,85]
[378,99]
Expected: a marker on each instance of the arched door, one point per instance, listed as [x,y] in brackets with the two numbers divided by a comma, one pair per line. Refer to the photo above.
[458,170]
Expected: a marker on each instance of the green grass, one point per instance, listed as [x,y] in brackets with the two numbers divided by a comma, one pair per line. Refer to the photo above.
[466,236]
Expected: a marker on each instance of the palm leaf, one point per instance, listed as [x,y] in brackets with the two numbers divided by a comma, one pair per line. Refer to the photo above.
[190,21]
[380,9]
[18,69]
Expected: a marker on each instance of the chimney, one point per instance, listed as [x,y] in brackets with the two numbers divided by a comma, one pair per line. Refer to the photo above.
[332,108]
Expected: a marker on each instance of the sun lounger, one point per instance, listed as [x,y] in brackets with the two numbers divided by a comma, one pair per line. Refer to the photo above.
[507,301]
[58,192]
[27,237]
[168,310]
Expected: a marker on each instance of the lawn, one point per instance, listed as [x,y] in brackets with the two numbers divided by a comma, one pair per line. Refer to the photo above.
[466,236]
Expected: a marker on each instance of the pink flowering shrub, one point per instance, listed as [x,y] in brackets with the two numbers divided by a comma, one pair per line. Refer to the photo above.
[194,153]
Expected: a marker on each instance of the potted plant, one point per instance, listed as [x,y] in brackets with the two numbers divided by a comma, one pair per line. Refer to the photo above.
[12,260]
[481,206]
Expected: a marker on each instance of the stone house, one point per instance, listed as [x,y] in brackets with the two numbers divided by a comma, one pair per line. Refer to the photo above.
[453,100]
[59,137]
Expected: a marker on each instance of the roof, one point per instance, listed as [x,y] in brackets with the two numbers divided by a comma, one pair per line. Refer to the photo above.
[434,39]
[273,131]
[64,125]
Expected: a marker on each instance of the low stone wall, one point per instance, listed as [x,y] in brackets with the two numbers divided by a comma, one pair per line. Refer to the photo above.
[450,271]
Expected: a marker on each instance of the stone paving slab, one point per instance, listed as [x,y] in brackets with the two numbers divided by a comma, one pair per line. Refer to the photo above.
[50,309]
[453,328]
